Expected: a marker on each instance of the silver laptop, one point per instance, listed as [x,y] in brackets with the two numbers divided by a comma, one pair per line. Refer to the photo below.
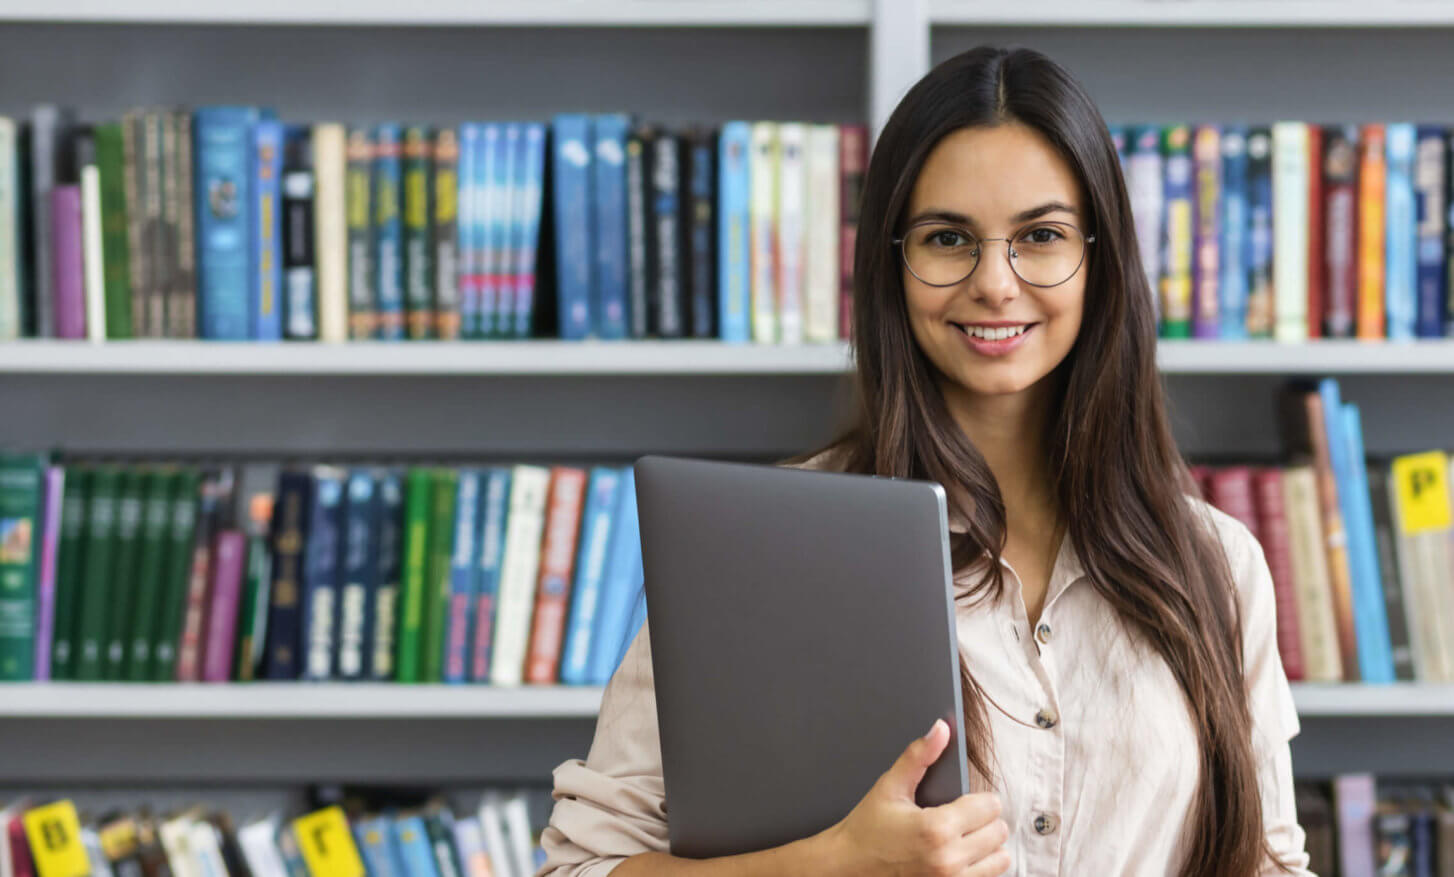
[802,634]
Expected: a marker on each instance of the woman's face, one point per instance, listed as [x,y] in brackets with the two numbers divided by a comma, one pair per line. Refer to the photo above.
[993,333]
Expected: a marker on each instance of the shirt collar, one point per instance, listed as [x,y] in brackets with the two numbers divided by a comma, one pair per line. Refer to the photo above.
[1068,568]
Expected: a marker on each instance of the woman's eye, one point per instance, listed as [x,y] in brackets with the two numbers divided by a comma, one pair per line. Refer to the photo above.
[1043,235]
[948,239]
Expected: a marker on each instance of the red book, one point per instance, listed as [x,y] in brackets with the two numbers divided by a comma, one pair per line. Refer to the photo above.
[1340,235]
[557,566]
[21,863]
[1231,491]
[229,553]
[1277,545]
[852,164]
[1316,274]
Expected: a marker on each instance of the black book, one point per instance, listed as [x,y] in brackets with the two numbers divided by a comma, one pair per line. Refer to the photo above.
[639,242]
[300,290]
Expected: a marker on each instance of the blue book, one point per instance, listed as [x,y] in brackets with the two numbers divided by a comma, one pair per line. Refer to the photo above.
[571,166]
[495,508]
[467,215]
[1370,610]
[499,169]
[1401,266]
[464,576]
[1259,219]
[320,574]
[633,627]
[608,217]
[385,620]
[224,209]
[265,301]
[595,539]
[532,187]
[734,191]
[388,232]
[360,576]
[376,842]
[620,588]
[412,840]
[1430,180]
[1232,289]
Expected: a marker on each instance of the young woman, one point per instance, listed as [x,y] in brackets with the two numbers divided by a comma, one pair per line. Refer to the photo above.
[1126,709]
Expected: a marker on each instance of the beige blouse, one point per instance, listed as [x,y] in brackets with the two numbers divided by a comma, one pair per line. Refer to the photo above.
[1092,736]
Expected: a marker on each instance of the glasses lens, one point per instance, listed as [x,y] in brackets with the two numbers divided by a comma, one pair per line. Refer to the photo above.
[1046,254]
[1049,253]
[940,254]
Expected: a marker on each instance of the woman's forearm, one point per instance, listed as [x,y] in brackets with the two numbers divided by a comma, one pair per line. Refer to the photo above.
[808,857]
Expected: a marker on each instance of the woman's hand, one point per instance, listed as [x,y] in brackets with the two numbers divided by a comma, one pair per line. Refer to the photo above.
[888,834]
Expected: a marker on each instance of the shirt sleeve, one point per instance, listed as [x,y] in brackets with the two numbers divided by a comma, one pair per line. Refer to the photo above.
[1274,715]
[612,805]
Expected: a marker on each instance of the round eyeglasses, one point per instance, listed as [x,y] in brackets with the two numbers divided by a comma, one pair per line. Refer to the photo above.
[1043,254]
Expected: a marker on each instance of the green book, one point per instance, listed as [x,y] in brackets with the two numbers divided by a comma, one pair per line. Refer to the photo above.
[141,629]
[418,491]
[98,572]
[70,557]
[252,621]
[21,477]
[436,588]
[176,571]
[115,259]
[129,515]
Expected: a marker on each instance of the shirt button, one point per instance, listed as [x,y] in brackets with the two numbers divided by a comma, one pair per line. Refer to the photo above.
[1042,633]
[1045,823]
[1046,718]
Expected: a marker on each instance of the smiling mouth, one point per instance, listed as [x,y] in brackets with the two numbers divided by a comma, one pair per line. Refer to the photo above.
[993,333]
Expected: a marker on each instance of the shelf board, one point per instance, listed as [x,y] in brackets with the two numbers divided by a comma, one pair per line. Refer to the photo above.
[493,13]
[1333,700]
[295,700]
[665,358]
[1196,13]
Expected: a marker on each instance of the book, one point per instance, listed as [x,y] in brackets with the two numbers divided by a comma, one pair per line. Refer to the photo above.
[1317,245]
[299,237]
[1354,801]
[321,574]
[182,289]
[288,533]
[1207,190]
[126,581]
[214,514]
[12,225]
[639,258]
[1431,220]
[412,839]
[699,181]
[528,205]
[495,498]
[68,273]
[359,583]
[1340,234]
[1422,524]
[529,486]
[180,548]
[557,571]
[609,225]
[48,129]
[445,216]
[1372,238]
[437,574]
[265,304]
[464,575]
[1317,625]
[622,582]
[852,165]
[93,599]
[1400,642]
[1290,231]
[21,492]
[1232,222]
[418,489]
[228,568]
[790,211]
[1400,226]
[249,662]
[362,294]
[1177,233]
[390,564]
[69,566]
[733,232]
[762,171]
[665,296]
[46,570]
[1145,178]
[225,216]
[1273,532]
[1375,652]
[116,256]
[590,572]
[330,227]
[571,166]
[821,261]
[93,264]
[418,249]
[138,635]
[327,844]
[388,233]
[477,154]
[1260,233]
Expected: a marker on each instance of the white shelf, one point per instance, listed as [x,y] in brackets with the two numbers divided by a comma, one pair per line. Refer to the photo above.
[506,13]
[294,700]
[1373,701]
[545,358]
[1196,13]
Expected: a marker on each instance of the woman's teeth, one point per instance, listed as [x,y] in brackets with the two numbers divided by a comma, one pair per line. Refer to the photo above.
[990,334]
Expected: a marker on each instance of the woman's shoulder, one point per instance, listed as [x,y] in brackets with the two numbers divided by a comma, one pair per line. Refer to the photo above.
[829,459]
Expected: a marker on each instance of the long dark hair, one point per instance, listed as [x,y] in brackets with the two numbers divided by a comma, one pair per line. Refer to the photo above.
[1118,477]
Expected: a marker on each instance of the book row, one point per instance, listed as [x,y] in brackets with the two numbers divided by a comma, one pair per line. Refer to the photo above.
[501,575]
[1295,230]
[1358,826]
[226,223]
[421,838]
[1361,552]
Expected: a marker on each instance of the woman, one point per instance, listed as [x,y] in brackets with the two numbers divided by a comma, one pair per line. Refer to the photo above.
[1126,708]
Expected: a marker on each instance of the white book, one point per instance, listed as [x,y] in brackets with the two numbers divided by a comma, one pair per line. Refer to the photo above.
[792,198]
[1290,231]
[1317,628]
[91,840]
[523,530]
[92,260]
[207,847]
[260,849]
[330,230]
[518,834]
[9,234]
[492,825]
[1145,179]
[824,223]
[176,838]
[469,839]
[762,220]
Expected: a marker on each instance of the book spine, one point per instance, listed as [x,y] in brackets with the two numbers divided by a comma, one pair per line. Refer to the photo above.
[74,499]
[362,302]
[1355,800]
[529,486]
[94,597]
[1232,244]
[1231,491]
[153,232]
[419,486]
[1272,530]
[1340,236]
[464,571]
[300,274]
[67,260]
[182,289]
[639,256]
[473,201]
[330,226]
[668,313]
[47,125]
[224,221]
[446,217]
[700,181]
[590,569]
[1419,495]
[1259,233]
[192,641]
[388,249]
[764,174]
[11,223]
[227,573]
[439,825]
[1400,226]
[1335,533]
[791,210]
[1290,231]
[1372,176]
[1429,191]
[321,575]
[418,219]
[557,569]
[1316,622]
[572,169]
[22,481]
[360,581]
[249,661]
[437,575]
[852,164]
[1375,650]
[289,536]
[1317,244]
[93,263]
[1177,232]
[111,164]
[133,134]
[622,582]
[499,224]
[1145,179]
[130,511]
[267,162]
[1399,627]
[609,226]
[733,231]
[531,194]
[495,508]
[1207,166]
[181,534]
[820,274]
[46,573]
[390,563]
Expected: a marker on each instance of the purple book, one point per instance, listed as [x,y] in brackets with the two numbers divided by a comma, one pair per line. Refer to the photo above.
[1354,800]
[45,584]
[66,262]
[228,559]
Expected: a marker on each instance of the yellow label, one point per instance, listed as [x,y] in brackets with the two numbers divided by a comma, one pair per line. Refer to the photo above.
[327,844]
[1423,491]
[54,833]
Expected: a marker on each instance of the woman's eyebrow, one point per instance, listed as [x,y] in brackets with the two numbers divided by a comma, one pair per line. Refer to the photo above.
[936,214]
